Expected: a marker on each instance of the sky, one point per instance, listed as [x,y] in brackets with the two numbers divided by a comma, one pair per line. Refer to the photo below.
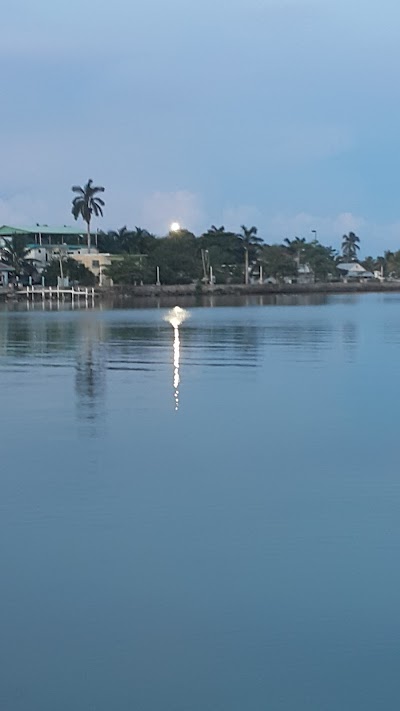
[284,114]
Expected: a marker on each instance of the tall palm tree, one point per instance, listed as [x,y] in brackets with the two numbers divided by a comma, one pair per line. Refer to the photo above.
[86,204]
[250,242]
[350,246]
[14,254]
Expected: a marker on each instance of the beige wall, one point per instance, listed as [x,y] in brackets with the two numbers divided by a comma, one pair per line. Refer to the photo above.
[96,263]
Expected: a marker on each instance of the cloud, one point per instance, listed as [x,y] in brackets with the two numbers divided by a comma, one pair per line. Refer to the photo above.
[161,208]
[302,225]
[158,209]
[375,237]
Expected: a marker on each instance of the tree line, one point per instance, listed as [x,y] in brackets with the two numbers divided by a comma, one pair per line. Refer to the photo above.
[218,255]
[229,257]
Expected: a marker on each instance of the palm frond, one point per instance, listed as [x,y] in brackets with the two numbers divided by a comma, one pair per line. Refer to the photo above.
[97,209]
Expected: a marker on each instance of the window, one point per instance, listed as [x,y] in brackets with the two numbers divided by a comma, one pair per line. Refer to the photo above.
[95,263]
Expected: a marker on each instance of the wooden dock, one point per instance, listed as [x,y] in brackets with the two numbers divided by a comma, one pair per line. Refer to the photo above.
[49,293]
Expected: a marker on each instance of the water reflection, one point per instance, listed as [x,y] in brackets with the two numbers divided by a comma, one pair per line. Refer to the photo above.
[176,317]
[90,372]
[350,338]
[176,366]
[219,300]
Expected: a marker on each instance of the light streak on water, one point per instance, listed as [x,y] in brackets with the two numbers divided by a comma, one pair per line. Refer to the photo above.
[176,317]
[177,378]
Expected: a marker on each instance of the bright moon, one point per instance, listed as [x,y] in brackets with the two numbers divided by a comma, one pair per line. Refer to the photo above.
[175,227]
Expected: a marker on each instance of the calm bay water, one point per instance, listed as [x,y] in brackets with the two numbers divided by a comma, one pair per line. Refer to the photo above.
[237,553]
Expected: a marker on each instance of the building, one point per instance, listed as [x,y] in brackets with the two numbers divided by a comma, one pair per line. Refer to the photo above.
[43,254]
[47,234]
[305,274]
[47,242]
[354,270]
[96,262]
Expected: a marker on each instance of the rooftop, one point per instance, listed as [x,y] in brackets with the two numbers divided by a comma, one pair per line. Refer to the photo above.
[9,230]
[351,267]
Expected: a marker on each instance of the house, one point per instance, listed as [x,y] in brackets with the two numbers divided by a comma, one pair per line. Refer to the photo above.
[354,270]
[43,254]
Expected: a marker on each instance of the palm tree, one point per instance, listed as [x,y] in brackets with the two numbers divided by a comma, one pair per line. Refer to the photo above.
[350,246]
[15,255]
[142,240]
[295,247]
[121,238]
[250,242]
[86,204]
[216,230]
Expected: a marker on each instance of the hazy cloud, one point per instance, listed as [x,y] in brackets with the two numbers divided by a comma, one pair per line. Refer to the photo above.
[375,237]
[160,209]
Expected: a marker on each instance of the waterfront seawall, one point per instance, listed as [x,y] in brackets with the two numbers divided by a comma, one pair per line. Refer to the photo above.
[148,291]
[121,294]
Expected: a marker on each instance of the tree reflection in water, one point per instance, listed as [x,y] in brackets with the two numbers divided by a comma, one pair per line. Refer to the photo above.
[90,374]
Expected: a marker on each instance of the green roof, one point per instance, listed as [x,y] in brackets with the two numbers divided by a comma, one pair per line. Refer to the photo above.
[9,230]
[56,247]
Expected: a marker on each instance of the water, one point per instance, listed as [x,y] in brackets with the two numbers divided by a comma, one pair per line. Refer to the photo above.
[239,552]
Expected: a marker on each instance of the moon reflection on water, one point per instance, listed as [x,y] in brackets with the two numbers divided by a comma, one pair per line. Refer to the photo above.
[176,317]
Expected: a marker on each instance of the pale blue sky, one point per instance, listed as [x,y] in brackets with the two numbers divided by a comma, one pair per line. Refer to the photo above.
[281,113]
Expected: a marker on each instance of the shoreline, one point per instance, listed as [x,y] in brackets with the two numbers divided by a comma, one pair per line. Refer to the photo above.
[151,291]
[121,294]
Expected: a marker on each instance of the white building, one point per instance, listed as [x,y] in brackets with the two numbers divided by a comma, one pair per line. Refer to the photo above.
[354,270]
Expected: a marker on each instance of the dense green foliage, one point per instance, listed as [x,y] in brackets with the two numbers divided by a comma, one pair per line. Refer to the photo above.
[229,257]
[217,255]
[15,254]
[77,272]
[388,265]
